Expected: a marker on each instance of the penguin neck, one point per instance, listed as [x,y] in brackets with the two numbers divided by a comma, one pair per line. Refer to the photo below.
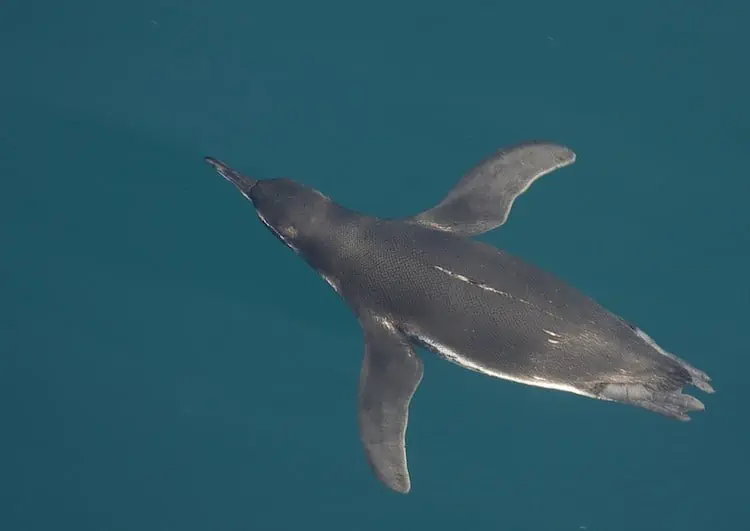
[337,241]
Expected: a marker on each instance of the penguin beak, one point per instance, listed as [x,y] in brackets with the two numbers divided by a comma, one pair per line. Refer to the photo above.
[244,184]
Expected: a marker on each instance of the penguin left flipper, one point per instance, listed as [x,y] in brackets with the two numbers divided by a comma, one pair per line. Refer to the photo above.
[390,375]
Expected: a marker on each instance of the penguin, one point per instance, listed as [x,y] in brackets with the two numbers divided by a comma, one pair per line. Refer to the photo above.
[423,281]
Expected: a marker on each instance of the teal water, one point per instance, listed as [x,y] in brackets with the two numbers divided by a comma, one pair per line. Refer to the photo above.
[165,364]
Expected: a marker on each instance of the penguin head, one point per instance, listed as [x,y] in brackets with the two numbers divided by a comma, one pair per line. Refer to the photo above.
[298,215]
[295,213]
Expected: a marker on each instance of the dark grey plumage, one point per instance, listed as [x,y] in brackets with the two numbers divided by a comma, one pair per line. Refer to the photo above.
[422,280]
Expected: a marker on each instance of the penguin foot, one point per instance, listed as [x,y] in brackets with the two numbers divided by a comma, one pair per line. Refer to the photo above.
[673,404]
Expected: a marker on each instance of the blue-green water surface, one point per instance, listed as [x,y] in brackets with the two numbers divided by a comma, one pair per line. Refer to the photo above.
[167,365]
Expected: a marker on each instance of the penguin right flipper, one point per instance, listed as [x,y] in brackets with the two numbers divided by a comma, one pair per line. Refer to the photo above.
[482,199]
[390,375]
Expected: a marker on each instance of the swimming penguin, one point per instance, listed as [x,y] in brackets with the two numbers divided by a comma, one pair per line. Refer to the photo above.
[422,281]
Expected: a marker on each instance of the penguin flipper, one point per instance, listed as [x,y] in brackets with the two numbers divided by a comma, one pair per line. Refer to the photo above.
[482,199]
[390,375]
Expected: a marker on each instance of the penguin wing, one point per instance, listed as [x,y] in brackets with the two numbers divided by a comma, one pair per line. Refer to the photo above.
[390,375]
[482,199]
